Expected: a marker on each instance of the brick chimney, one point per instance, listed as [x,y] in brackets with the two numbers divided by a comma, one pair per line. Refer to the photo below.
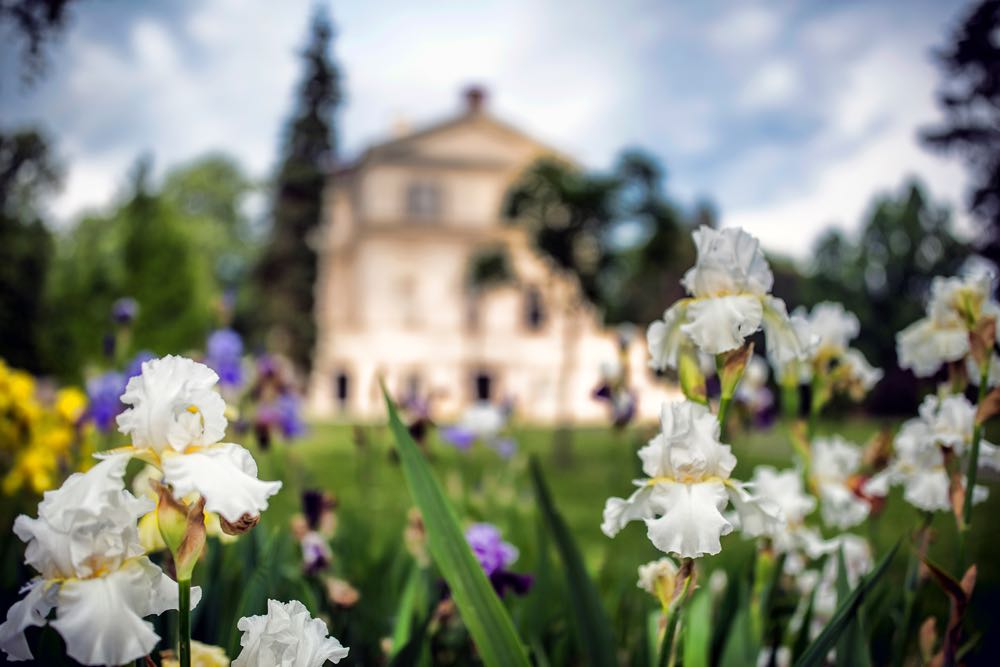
[475,99]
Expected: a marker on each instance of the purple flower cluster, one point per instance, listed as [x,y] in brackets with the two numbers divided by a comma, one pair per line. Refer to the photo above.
[495,556]
[224,355]
[124,310]
[103,399]
[104,392]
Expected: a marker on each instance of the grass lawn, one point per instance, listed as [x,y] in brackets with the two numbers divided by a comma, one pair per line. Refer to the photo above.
[357,465]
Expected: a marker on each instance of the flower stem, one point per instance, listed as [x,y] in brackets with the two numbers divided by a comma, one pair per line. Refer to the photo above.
[911,588]
[723,411]
[673,618]
[184,622]
[973,466]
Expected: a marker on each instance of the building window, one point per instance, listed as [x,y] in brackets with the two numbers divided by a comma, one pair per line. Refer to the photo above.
[483,386]
[534,310]
[423,201]
[342,389]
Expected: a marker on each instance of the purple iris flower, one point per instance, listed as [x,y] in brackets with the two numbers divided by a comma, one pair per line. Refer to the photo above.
[290,415]
[505,447]
[104,399]
[124,310]
[224,355]
[495,556]
[135,366]
[493,553]
[461,438]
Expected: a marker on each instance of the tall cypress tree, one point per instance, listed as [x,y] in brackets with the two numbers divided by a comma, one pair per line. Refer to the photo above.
[286,272]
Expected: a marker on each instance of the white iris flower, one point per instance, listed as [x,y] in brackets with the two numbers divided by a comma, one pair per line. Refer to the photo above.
[85,546]
[287,636]
[834,464]
[942,336]
[785,490]
[176,422]
[730,288]
[829,329]
[688,487]
[944,427]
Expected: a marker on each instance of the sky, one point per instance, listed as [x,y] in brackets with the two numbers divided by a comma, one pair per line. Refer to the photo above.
[789,115]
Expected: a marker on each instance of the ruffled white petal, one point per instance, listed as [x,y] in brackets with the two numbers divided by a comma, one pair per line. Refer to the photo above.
[101,619]
[863,372]
[173,404]
[721,324]
[89,523]
[788,339]
[665,338]
[840,507]
[286,637]
[225,475]
[989,455]
[619,511]
[730,261]
[834,326]
[925,345]
[758,515]
[927,490]
[691,521]
[31,610]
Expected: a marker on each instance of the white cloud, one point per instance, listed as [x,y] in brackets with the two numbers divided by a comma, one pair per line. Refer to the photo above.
[772,86]
[745,28]
[868,145]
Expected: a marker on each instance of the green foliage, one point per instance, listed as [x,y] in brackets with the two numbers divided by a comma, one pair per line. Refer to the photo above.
[593,628]
[618,234]
[163,273]
[27,173]
[287,270]
[489,267]
[845,616]
[970,100]
[174,249]
[483,613]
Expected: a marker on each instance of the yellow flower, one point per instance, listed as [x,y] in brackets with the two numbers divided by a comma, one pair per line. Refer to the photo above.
[21,390]
[202,655]
[70,404]
[34,467]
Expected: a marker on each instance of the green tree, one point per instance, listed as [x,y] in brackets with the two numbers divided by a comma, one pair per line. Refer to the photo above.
[568,214]
[165,271]
[27,174]
[85,279]
[646,275]
[35,22]
[208,195]
[286,273]
[970,99]
[146,249]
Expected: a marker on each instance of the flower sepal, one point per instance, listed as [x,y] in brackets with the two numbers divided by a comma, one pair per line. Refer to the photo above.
[731,365]
[182,527]
[692,380]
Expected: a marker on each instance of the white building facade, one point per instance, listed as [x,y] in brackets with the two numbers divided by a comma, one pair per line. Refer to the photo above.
[401,230]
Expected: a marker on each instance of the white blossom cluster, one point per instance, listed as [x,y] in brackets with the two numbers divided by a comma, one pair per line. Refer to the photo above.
[85,542]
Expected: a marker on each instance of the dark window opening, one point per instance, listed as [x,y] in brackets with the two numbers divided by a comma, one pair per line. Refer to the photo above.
[484,386]
[534,311]
[342,383]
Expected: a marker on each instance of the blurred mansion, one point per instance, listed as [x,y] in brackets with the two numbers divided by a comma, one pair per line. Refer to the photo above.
[404,228]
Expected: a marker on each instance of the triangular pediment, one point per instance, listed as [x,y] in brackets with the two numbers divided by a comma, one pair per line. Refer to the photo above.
[469,139]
